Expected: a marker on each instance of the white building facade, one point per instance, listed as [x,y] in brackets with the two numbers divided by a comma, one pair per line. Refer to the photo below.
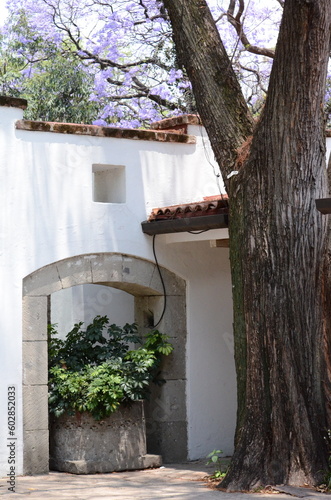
[72,246]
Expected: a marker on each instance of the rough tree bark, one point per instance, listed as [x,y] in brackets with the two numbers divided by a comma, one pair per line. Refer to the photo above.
[277,237]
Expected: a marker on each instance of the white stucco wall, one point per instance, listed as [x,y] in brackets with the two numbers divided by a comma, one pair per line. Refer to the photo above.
[48,214]
[85,302]
[210,368]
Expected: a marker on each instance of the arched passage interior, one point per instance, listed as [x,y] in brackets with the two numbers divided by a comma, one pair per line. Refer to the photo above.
[166,419]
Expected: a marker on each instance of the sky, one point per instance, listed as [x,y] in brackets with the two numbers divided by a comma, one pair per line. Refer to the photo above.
[3,8]
[2,11]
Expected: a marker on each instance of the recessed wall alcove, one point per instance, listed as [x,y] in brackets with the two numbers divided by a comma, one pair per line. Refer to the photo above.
[166,411]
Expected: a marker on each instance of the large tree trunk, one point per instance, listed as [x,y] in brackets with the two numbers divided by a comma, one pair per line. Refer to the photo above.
[221,105]
[277,243]
[282,422]
[327,317]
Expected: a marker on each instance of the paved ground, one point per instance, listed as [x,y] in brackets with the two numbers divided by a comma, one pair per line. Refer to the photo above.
[178,482]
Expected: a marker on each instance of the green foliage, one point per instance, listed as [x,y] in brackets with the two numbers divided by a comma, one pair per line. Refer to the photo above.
[95,370]
[158,343]
[99,342]
[215,459]
[55,83]
[59,90]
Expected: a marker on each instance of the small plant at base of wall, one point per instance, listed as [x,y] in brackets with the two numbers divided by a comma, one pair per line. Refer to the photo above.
[216,460]
[95,370]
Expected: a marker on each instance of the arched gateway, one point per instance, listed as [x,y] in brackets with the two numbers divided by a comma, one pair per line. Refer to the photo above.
[166,411]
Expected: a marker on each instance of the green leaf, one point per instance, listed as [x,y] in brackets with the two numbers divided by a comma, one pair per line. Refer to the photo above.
[90,372]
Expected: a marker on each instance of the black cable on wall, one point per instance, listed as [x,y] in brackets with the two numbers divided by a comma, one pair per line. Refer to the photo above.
[163,285]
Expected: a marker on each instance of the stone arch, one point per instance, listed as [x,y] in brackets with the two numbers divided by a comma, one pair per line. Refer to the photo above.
[166,412]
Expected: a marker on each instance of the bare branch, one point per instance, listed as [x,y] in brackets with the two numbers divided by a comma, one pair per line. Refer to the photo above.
[156,98]
[144,7]
[220,17]
[237,23]
[85,54]
[153,97]
[151,18]
[257,74]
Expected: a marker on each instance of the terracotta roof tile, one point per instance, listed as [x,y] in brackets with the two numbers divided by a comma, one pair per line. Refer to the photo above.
[218,204]
[177,124]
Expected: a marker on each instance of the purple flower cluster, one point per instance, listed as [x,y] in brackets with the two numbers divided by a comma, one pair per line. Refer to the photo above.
[126,47]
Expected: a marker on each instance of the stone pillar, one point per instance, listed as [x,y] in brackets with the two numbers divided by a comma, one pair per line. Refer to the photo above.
[166,416]
[35,390]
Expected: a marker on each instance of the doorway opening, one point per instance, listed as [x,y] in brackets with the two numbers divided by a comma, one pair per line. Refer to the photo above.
[166,422]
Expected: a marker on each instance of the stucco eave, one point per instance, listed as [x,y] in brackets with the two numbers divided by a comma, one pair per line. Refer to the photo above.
[202,223]
[94,130]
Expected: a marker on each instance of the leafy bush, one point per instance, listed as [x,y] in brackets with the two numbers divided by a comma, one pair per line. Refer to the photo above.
[90,371]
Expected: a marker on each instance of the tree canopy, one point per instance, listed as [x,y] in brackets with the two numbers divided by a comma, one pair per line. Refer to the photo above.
[126,51]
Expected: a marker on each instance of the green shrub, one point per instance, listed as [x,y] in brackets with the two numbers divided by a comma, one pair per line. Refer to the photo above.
[95,370]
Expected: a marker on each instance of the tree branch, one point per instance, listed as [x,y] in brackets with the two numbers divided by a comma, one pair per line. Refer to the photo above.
[153,97]
[237,23]
[257,74]
[219,99]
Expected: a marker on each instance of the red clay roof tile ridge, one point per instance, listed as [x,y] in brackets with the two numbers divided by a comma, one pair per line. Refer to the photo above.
[210,205]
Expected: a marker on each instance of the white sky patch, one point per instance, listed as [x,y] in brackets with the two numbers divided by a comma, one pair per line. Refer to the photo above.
[3,11]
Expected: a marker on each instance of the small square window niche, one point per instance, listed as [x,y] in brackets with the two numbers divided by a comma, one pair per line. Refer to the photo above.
[109,183]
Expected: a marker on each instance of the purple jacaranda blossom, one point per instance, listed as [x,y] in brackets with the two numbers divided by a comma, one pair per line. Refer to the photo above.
[126,46]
